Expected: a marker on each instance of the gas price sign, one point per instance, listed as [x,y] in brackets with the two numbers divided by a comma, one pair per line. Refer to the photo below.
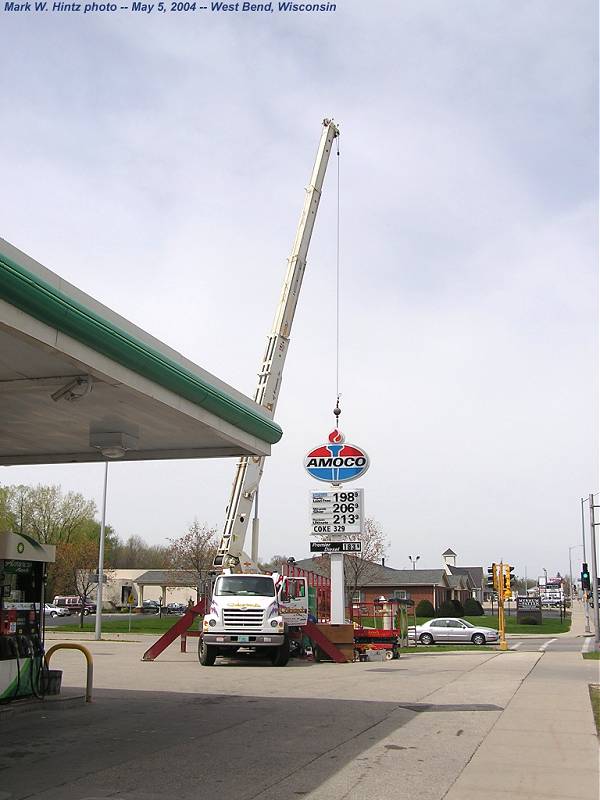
[337,512]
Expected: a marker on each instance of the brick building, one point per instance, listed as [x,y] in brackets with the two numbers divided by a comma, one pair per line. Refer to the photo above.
[377,580]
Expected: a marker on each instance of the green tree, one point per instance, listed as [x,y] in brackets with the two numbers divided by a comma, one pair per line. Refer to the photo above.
[7,522]
[46,513]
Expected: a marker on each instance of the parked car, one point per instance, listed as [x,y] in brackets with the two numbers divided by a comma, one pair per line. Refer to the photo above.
[56,611]
[175,608]
[451,629]
[73,604]
[151,607]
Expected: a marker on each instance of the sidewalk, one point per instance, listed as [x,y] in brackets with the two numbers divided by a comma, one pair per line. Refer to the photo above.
[544,745]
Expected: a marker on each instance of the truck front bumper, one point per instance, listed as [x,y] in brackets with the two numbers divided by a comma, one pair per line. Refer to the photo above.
[244,639]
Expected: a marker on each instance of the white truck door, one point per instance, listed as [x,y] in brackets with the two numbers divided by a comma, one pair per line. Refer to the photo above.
[293,600]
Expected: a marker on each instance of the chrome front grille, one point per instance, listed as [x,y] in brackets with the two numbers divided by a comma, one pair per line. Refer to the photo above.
[243,619]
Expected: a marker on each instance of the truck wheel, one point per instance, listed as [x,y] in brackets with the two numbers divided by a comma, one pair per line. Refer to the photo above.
[281,654]
[207,654]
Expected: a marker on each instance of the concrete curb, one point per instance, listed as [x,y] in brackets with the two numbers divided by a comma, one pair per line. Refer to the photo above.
[88,636]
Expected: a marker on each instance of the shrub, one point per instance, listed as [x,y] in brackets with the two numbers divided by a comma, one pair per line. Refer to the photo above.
[459,610]
[529,621]
[424,609]
[446,609]
[473,607]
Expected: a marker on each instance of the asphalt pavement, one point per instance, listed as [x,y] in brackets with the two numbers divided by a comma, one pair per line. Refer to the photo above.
[431,725]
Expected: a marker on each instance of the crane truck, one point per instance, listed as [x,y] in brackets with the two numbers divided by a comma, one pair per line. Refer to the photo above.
[249,609]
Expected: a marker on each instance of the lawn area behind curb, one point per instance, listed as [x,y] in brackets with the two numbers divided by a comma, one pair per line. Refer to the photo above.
[595,700]
[150,623]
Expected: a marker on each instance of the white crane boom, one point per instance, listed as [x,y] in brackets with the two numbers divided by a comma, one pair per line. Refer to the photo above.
[249,469]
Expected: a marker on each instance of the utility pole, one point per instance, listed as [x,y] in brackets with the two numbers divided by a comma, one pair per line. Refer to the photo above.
[593,524]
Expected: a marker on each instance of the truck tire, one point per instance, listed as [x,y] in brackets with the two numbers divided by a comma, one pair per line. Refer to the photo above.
[281,654]
[207,654]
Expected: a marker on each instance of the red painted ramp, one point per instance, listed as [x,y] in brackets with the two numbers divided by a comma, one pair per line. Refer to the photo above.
[181,626]
[315,635]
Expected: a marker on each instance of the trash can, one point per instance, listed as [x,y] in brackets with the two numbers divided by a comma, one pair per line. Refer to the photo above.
[51,681]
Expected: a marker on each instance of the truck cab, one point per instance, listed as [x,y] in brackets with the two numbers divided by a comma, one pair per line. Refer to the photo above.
[253,611]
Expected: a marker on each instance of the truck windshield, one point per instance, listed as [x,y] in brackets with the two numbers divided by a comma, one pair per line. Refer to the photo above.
[246,585]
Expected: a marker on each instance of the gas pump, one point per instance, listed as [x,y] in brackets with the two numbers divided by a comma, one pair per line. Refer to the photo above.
[23,565]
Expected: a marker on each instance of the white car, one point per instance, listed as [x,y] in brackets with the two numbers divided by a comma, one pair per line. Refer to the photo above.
[451,629]
[56,611]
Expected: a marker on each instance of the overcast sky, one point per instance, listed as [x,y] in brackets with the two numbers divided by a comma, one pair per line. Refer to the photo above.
[158,162]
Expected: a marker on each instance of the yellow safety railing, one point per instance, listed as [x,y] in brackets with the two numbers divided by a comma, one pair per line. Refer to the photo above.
[88,658]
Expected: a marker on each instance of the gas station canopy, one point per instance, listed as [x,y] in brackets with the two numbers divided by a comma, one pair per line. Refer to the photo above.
[79,383]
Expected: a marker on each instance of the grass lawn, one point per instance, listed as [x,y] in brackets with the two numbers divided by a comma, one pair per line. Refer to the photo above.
[595,700]
[440,648]
[593,656]
[151,623]
[140,623]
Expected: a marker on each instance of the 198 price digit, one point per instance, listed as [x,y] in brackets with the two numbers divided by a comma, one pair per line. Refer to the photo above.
[345,497]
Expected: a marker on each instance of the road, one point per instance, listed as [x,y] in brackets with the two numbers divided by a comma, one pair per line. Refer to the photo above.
[558,644]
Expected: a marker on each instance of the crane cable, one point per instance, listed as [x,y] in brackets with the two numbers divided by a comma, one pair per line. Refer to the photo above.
[337,410]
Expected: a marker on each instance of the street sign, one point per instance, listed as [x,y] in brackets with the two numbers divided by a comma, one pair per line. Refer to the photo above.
[337,512]
[131,600]
[335,547]
[336,461]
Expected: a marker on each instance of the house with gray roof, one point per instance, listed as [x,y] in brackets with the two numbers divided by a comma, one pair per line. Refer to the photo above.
[474,575]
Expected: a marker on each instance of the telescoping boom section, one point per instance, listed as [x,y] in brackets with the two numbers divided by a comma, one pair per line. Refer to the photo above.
[249,469]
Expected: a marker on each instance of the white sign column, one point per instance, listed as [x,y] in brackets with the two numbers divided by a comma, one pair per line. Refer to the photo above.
[338,591]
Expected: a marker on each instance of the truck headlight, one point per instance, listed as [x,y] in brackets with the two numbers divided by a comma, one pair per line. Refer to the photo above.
[212,622]
[274,623]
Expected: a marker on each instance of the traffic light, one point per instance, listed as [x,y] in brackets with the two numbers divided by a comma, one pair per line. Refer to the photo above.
[585,577]
[509,576]
[492,576]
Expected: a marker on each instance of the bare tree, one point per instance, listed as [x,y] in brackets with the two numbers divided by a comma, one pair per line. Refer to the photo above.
[361,569]
[76,570]
[273,564]
[194,552]
[136,552]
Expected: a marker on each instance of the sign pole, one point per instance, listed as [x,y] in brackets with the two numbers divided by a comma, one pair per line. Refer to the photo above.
[98,629]
[338,605]
[130,602]
[593,525]
[501,622]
